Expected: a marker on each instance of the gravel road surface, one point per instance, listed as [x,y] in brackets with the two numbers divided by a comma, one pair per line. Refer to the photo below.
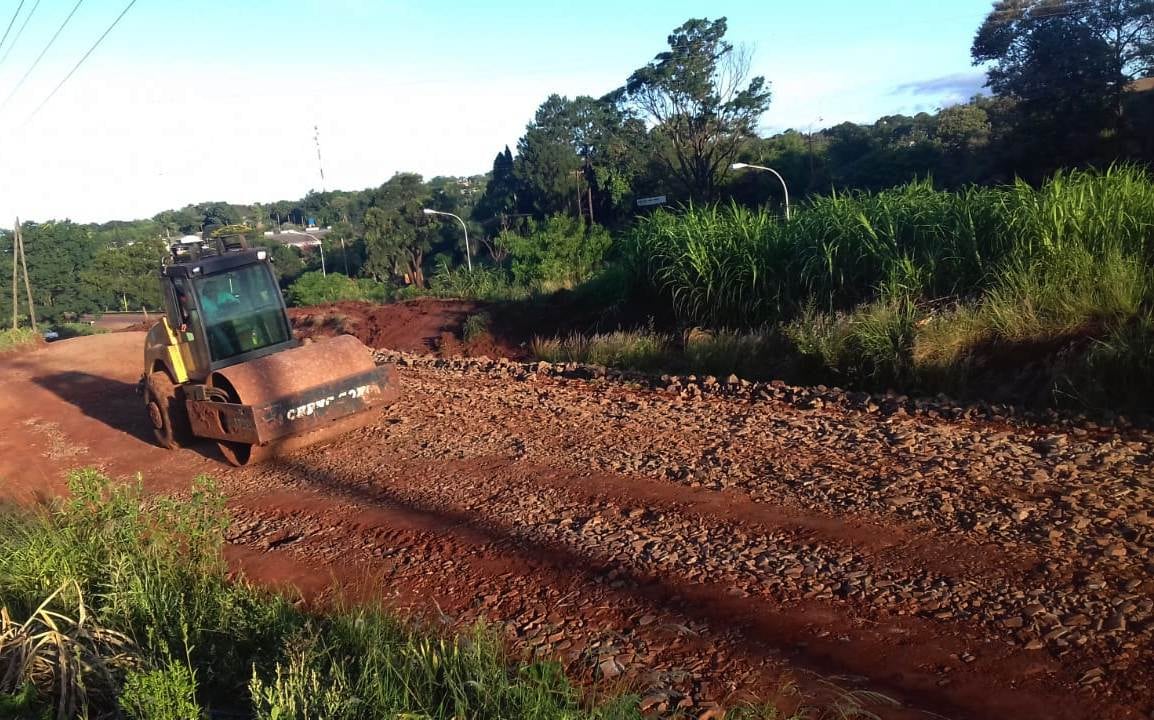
[699,541]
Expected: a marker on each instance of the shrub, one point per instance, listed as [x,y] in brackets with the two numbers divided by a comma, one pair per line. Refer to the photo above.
[314,288]
[560,253]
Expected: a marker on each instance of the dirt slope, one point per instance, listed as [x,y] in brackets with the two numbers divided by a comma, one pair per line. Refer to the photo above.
[699,549]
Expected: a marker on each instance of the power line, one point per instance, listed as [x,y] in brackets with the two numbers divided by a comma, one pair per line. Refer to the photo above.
[20,32]
[12,22]
[81,61]
[41,55]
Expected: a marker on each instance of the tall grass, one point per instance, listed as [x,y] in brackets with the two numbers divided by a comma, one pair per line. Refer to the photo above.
[905,285]
[731,266]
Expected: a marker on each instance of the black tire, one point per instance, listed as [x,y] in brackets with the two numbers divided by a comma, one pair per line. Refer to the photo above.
[166,412]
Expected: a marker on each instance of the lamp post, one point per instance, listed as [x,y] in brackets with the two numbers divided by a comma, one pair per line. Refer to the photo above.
[741,166]
[468,253]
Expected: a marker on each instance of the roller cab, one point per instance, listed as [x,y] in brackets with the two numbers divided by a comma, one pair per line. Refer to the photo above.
[222,363]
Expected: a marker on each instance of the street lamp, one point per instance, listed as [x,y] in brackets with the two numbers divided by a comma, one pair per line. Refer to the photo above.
[468,253]
[742,166]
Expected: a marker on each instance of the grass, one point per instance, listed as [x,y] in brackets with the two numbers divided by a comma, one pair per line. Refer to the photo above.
[636,350]
[133,596]
[18,338]
[914,287]
[720,353]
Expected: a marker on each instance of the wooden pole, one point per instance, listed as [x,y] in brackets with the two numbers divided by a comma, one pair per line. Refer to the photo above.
[14,276]
[577,178]
[27,283]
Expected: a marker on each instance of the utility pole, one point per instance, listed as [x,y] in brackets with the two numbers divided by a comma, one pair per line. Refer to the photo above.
[14,231]
[24,266]
[320,165]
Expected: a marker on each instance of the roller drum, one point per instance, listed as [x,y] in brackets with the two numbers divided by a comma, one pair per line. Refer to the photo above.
[303,396]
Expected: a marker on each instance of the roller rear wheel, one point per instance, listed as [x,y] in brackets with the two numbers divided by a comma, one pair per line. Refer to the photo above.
[241,454]
[166,412]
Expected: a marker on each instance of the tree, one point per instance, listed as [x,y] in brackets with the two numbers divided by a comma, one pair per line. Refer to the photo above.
[579,156]
[397,234]
[286,263]
[126,277]
[500,197]
[58,253]
[1067,64]
[547,162]
[963,127]
[697,97]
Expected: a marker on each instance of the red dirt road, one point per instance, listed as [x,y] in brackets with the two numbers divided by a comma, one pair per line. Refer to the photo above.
[698,549]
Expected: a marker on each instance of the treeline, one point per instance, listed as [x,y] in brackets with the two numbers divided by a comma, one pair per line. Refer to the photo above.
[1068,91]
[77,269]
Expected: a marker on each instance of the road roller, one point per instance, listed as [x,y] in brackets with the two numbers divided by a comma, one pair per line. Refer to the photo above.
[222,363]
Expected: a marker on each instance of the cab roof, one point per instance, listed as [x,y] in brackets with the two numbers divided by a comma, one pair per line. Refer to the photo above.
[213,264]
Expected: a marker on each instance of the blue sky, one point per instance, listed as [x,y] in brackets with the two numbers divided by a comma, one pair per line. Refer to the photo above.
[215,100]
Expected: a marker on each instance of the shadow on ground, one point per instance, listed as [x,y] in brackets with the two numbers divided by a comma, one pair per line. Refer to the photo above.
[765,630]
[115,403]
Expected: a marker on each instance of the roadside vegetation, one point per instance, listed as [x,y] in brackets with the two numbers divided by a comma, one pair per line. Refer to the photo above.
[18,339]
[114,602]
[317,288]
[921,288]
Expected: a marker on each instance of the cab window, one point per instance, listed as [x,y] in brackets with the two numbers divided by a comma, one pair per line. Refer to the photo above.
[241,311]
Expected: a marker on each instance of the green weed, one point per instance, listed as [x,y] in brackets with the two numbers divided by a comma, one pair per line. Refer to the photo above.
[476,326]
[18,338]
[164,693]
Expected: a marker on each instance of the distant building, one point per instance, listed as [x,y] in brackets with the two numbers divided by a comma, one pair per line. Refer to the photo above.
[299,239]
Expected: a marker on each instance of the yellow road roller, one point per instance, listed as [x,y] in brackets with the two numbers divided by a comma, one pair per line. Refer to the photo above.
[222,363]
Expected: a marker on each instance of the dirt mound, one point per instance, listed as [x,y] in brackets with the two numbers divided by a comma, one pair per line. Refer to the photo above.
[426,325]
